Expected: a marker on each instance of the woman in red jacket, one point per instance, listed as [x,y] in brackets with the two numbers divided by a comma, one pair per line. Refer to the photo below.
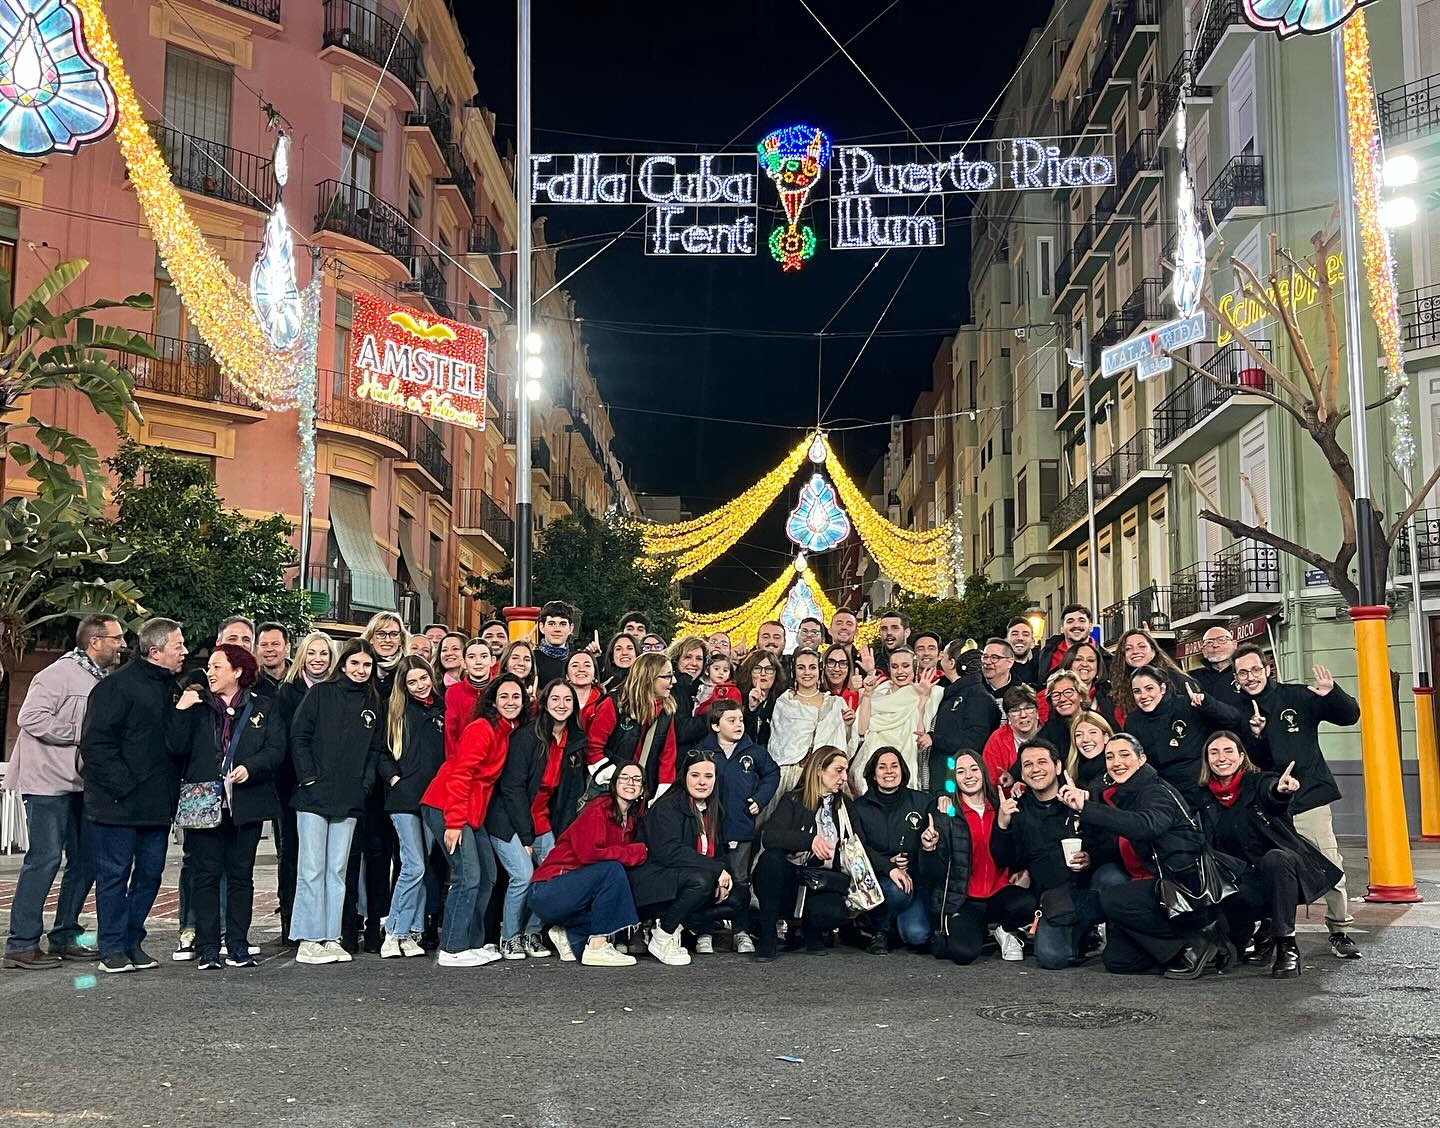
[453,811]
[580,673]
[462,698]
[635,724]
[581,889]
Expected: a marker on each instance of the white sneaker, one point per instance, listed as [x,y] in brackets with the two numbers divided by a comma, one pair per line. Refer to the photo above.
[391,948]
[487,954]
[666,947]
[604,956]
[313,952]
[561,941]
[185,950]
[335,949]
[1011,949]
[743,944]
[704,945]
[469,958]
[409,947]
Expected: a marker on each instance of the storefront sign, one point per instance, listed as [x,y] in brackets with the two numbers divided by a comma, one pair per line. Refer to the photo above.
[1149,353]
[426,366]
[1256,631]
[1296,292]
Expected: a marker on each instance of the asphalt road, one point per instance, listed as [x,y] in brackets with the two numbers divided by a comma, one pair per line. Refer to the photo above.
[883,1040]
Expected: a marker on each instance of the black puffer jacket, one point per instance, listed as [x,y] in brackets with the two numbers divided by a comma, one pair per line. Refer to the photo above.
[422,751]
[967,715]
[259,737]
[1174,735]
[946,869]
[511,811]
[132,776]
[338,734]
[1153,817]
[891,824]
[1032,842]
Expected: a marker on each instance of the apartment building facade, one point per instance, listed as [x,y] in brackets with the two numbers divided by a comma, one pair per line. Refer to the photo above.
[396,177]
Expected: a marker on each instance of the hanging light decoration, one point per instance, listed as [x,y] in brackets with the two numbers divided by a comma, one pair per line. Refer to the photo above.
[273,292]
[54,96]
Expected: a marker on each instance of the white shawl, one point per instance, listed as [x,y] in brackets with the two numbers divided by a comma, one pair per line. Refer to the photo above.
[797,729]
[895,714]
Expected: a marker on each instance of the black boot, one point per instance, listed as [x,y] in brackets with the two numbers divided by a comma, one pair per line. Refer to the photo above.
[1193,961]
[1262,947]
[350,934]
[1287,959]
[814,940]
[372,935]
[430,939]
[1217,935]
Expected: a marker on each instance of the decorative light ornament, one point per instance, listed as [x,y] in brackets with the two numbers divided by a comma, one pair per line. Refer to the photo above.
[799,604]
[817,450]
[54,96]
[817,523]
[743,623]
[306,356]
[793,158]
[1307,17]
[272,279]
[1401,171]
[1188,281]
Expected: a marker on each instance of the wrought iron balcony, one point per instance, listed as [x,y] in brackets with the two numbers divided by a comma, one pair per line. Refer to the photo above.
[1427,538]
[478,510]
[484,239]
[1112,477]
[1149,609]
[374,33]
[426,449]
[265,9]
[540,456]
[1190,592]
[1245,568]
[427,277]
[1221,16]
[1147,302]
[1232,370]
[185,369]
[1410,112]
[1142,156]
[1241,184]
[1420,318]
[1170,91]
[342,410]
[432,110]
[1112,622]
[330,588]
[215,170]
[1063,272]
[348,210]
[458,173]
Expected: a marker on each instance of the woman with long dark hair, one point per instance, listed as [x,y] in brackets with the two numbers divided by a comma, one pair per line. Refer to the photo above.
[620,654]
[580,674]
[761,680]
[1136,650]
[1087,662]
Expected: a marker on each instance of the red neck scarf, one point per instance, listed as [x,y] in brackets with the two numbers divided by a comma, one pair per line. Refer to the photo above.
[1129,856]
[1227,793]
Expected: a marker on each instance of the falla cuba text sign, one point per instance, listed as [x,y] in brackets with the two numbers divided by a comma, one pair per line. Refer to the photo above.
[422,365]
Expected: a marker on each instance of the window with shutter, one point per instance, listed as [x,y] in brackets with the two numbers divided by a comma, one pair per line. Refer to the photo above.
[1244,128]
[1045,266]
[197,96]
[1158,539]
[1049,488]
[1255,466]
[1207,476]
[1022,497]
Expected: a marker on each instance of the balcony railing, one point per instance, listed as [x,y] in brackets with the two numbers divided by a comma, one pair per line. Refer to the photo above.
[1233,370]
[1222,15]
[1241,184]
[1149,609]
[1112,622]
[478,510]
[458,173]
[373,33]
[1246,567]
[1170,91]
[1147,302]
[1411,111]
[343,410]
[1065,271]
[1142,156]
[1128,461]
[483,238]
[186,369]
[1427,537]
[1190,591]
[332,585]
[427,276]
[351,211]
[217,171]
[540,455]
[432,110]
[427,450]
[1420,317]
[265,9]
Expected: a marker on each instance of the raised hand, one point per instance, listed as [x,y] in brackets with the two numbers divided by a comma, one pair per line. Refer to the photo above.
[926,682]
[929,837]
[757,695]
[1287,784]
[1197,699]
[1257,722]
[1073,798]
[1324,681]
[1008,807]
[865,656]
[189,698]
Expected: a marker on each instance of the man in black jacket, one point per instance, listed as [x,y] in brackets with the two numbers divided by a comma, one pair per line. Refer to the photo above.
[1021,637]
[132,782]
[1284,721]
[1216,674]
[969,708]
[1076,622]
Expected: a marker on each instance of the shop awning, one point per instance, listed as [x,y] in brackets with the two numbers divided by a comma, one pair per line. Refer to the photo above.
[410,554]
[371,588]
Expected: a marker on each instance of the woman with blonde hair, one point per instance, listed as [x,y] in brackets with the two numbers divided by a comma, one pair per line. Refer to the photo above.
[1085,763]
[415,748]
[636,724]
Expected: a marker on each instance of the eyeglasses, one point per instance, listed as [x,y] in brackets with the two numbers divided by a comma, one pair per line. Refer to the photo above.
[762,670]
[652,648]
[994,657]
[1217,638]
[1022,709]
[632,781]
[1064,694]
[666,677]
[836,663]
[391,635]
[1249,675]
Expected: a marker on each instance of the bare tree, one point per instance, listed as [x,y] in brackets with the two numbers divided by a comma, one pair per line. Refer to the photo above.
[1309,393]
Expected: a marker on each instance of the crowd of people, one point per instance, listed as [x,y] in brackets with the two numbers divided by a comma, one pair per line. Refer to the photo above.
[488,799]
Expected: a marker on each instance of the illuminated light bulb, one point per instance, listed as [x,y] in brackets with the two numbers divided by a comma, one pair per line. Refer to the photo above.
[1400,211]
[534,367]
[1401,170]
[532,390]
[534,343]
[817,450]
[800,564]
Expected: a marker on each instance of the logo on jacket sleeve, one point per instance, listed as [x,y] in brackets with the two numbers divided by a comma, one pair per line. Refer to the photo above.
[368,717]
[1177,731]
[1291,719]
[256,720]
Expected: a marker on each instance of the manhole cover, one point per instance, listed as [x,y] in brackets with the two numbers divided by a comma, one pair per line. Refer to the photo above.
[1062,1017]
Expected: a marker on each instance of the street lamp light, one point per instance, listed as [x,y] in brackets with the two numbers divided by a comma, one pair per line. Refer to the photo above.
[1079,358]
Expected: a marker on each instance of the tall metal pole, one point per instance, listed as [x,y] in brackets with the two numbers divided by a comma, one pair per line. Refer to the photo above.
[1095,608]
[1392,874]
[524,519]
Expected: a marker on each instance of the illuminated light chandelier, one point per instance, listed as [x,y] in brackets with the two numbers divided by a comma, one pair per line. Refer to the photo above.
[793,158]
[54,96]
[817,523]
[1308,17]
[273,293]
[742,623]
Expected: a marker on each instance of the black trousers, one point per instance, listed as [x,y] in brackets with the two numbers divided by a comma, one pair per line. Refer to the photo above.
[961,935]
[287,845]
[1268,891]
[1139,935]
[374,842]
[227,851]
[776,884]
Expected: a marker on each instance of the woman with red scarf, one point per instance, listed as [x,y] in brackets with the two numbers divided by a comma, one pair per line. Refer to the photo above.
[1246,813]
[453,810]
[1156,836]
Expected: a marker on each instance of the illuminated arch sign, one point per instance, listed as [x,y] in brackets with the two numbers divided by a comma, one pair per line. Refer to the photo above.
[880,196]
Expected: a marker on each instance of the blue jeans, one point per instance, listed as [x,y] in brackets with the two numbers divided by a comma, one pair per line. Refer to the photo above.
[407,903]
[56,825]
[129,862]
[324,851]
[472,880]
[1056,945]
[593,900]
[519,866]
[909,913]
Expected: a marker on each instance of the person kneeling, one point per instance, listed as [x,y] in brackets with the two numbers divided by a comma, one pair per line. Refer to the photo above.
[685,881]
[891,815]
[1247,814]
[581,889]
[972,889]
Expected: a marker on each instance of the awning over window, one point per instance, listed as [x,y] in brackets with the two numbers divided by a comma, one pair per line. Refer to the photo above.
[411,557]
[371,588]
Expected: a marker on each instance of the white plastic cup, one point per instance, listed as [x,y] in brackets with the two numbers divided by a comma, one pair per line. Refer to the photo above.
[1071,847]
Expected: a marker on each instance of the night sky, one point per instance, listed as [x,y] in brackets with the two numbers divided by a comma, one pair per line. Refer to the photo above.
[705,336]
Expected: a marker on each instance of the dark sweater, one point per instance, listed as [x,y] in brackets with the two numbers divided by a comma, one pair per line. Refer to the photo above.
[337,736]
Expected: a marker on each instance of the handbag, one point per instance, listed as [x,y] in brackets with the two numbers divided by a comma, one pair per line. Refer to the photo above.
[200,805]
[1214,881]
[864,893]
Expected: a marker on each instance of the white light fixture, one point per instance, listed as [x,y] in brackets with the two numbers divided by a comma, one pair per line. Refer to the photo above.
[1074,358]
[1401,170]
[1399,211]
[534,367]
[532,390]
[533,343]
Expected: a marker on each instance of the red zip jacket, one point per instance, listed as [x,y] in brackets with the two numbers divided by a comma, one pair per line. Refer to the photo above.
[593,837]
[460,701]
[587,710]
[465,782]
[597,736]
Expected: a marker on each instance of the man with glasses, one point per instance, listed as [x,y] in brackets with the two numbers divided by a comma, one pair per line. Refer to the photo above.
[1284,722]
[1216,675]
[45,772]
[969,710]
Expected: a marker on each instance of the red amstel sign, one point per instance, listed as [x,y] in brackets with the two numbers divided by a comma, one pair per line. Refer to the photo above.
[422,365]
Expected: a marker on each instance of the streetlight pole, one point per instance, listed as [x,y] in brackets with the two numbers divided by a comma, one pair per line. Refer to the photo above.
[1095,608]
[524,518]
[1392,874]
